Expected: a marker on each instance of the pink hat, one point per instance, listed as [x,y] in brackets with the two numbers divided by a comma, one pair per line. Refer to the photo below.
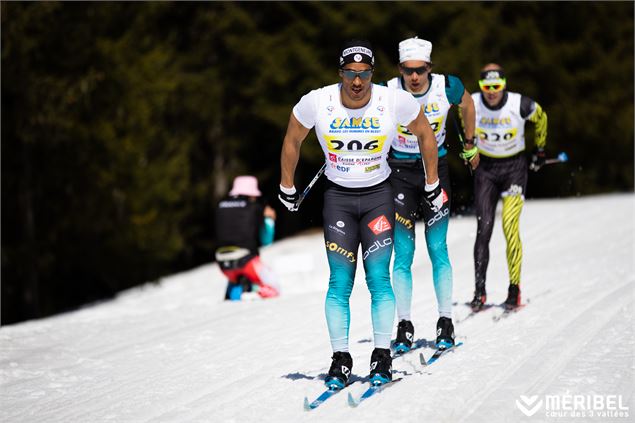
[245,185]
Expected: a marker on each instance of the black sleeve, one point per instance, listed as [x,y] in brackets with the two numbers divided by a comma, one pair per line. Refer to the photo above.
[527,106]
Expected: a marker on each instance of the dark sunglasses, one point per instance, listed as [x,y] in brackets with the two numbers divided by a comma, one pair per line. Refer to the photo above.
[409,71]
[351,74]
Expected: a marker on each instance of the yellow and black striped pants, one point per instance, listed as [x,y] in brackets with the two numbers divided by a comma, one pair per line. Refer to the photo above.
[493,179]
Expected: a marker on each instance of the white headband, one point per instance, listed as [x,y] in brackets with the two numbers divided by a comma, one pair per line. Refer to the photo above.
[415,49]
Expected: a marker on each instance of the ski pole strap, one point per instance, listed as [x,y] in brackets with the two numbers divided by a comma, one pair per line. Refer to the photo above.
[468,153]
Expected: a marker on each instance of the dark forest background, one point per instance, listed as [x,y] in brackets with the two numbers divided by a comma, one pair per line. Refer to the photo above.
[123,123]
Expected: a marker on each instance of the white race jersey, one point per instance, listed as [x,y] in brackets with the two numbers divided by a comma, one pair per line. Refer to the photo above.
[435,105]
[354,140]
[499,133]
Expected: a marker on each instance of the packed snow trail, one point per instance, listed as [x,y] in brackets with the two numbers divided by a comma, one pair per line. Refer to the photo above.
[174,351]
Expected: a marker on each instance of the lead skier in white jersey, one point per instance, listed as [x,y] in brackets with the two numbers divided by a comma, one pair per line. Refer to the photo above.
[354,121]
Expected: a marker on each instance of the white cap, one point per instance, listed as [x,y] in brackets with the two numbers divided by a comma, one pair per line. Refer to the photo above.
[415,49]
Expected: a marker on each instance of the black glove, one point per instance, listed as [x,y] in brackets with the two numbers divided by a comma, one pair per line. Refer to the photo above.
[435,196]
[538,158]
[289,197]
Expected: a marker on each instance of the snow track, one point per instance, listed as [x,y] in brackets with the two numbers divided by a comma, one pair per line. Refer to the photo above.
[174,352]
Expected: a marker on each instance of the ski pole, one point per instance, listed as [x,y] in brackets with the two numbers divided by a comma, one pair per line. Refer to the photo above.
[561,158]
[308,187]
[459,131]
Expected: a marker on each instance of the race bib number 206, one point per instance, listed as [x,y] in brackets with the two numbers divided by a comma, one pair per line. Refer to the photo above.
[369,144]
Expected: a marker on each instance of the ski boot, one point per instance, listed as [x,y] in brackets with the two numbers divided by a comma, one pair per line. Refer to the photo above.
[513,298]
[405,336]
[340,370]
[234,291]
[445,333]
[380,366]
[480,298]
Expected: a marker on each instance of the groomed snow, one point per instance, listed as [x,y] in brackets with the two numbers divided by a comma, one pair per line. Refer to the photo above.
[175,352]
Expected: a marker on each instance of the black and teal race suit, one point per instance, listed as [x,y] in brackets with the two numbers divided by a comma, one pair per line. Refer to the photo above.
[354,216]
[358,206]
[408,183]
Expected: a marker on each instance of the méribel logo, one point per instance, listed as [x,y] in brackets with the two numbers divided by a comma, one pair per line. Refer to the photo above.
[529,405]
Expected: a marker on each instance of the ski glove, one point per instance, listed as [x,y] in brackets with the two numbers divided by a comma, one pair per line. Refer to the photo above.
[435,196]
[538,158]
[468,154]
[289,197]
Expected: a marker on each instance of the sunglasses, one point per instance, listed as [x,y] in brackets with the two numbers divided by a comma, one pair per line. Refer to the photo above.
[352,74]
[492,87]
[409,71]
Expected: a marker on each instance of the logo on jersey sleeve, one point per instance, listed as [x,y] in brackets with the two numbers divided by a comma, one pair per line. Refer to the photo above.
[365,144]
[379,225]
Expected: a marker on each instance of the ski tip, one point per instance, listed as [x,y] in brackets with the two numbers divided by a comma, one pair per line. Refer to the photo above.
[422,359]
[351,401]
[307,407]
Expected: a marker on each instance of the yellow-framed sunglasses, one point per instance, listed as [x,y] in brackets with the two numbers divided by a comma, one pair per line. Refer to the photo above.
[492,85]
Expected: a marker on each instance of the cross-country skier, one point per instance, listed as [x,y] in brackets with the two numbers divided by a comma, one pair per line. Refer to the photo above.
[355,121]
[436,93]
[502,172]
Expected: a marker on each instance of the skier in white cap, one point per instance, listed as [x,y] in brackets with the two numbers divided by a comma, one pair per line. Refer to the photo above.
[436,93]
